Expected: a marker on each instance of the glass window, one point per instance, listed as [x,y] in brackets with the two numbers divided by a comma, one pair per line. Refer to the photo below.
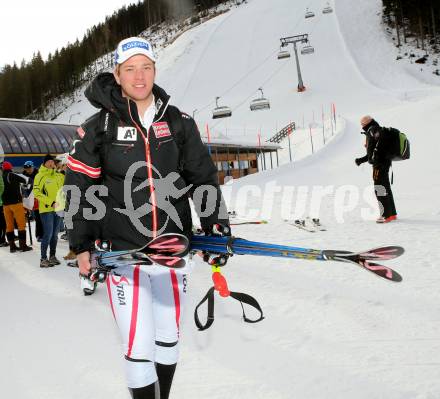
[65,138]
[52,132]
[45,137]
[244,164]
[64,135]
[41,142]
[4,140]
[27,130]
[21,137]
[70,134]
[13,141]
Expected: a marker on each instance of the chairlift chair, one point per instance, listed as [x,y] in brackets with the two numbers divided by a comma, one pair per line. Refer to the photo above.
[327,9]
[309,14]
[220,111]
[307,49]
[260,103]
[283,54]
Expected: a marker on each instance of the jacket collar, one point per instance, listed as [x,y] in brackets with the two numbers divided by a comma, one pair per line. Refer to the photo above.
[105,93]
[46,171]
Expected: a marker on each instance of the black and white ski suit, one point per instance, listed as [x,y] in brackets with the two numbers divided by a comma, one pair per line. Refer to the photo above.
[149,173]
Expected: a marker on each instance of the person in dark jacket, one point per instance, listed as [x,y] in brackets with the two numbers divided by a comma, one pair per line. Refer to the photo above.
[13,209]
[3,242]
[30,171]
[149,158]
[378,144]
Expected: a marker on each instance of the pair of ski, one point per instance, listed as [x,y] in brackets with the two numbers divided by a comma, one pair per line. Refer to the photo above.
[237,220]
[169,250]
[311,225]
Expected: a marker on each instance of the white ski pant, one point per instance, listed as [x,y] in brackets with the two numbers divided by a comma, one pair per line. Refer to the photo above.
[147,302]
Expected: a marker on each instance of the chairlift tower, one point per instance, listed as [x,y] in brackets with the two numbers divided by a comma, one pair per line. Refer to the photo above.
[285,41]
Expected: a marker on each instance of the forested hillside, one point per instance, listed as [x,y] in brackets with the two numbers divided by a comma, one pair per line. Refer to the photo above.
[417,20]
[29,90]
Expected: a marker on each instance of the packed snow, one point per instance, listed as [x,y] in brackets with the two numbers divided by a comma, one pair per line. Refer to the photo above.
[331,330]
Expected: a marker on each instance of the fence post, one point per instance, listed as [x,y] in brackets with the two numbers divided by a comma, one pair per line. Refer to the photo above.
[209,138]
[288,139]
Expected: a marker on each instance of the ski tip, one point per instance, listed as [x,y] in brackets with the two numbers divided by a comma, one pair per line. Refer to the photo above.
[384,253]
[397,250]
[382,271]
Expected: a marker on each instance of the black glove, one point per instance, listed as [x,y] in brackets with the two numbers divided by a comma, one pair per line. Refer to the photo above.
[358,161]
[212,258]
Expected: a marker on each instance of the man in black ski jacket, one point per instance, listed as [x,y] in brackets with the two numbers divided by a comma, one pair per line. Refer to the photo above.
[30,171]
[378,144]
[148,159]
[13,209]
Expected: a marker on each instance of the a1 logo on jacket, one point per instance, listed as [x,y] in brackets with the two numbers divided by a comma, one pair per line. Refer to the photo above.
[127,133]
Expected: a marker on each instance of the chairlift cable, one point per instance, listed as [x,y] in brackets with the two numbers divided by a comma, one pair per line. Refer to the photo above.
[283,65]
[246,75]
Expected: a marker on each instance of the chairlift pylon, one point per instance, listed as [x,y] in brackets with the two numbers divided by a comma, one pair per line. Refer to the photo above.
[260,103]
[309,14]
[220,111]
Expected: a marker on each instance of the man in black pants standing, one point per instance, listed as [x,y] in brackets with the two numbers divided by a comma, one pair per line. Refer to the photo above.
[3,242]
[378,154]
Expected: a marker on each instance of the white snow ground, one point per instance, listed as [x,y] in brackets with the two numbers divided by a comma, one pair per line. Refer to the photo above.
[331,330]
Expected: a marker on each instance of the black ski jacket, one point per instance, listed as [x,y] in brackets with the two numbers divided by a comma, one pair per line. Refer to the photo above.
[379,141]
[12,192]
[149,175]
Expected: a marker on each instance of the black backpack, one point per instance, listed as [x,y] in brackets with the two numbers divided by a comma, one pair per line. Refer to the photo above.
[399,148]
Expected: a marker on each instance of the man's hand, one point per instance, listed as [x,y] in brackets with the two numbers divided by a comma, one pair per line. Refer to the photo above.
[212,258]
[84,263]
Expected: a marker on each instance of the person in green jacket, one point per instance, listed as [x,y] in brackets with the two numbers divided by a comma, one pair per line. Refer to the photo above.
[3,242]
[47,186]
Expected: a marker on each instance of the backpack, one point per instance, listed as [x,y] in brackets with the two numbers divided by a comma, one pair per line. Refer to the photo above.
[399,145]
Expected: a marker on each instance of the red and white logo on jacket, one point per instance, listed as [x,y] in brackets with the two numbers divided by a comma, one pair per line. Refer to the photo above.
[161,129]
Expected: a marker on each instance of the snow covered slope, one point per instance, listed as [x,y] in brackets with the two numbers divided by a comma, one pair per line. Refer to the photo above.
[331,330]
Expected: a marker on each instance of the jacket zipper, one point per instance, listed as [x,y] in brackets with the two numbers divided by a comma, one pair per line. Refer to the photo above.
[163,142]
[150,173]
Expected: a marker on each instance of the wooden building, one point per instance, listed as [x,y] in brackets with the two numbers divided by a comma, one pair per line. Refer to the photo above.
[237,159]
